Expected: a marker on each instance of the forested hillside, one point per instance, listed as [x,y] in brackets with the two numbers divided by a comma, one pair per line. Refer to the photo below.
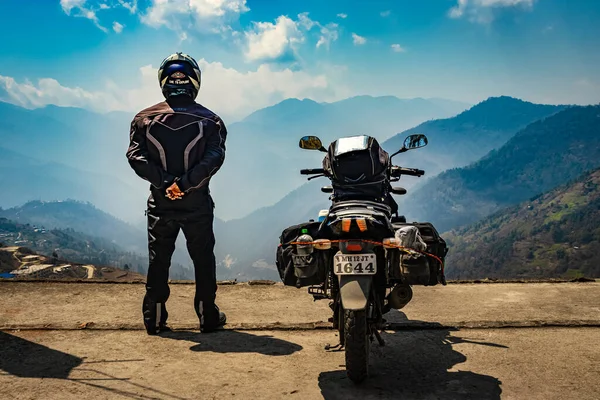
[556,234]
[546,154]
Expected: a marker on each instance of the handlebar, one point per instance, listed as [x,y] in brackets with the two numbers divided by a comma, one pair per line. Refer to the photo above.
[312,171]
[397,171]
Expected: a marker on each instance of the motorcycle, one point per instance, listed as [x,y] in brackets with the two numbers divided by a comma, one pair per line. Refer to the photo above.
[352,255]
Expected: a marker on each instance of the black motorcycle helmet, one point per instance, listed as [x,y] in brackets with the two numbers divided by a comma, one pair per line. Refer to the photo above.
[179,74]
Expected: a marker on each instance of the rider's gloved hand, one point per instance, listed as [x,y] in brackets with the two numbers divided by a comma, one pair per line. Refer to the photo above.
[173,192]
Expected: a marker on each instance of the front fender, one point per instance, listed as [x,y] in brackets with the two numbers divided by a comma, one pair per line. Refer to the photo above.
[355,291]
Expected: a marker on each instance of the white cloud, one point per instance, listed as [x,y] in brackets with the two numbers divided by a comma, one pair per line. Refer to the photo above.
[386,13]
[50,91]
[398,49]
[263,41]
[129,5]
[117,27]
[305,22]
[342,15]
[482,11]
[329,33]
[227,91]
[68,5]
[271,41]
[79,8]
[358,40]
[268,41]
[205,14]
[247,91]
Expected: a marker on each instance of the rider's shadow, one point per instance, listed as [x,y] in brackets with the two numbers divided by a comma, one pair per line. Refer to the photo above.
[22,358]
[25,359]
[230,341]
[414,364]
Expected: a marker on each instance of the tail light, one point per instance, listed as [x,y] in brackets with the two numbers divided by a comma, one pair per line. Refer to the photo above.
[354,246]
[346,222]
[362,224]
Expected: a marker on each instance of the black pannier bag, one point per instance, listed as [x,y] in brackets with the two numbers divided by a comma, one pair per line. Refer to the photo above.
[299,270]
[421,270]
[357,166]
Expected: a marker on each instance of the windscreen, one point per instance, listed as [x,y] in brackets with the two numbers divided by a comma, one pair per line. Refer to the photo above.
[353,143]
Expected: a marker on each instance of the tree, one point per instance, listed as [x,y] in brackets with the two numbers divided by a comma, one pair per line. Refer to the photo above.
[558,235]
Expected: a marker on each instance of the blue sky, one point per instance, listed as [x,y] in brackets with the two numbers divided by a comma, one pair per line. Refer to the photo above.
[103,54]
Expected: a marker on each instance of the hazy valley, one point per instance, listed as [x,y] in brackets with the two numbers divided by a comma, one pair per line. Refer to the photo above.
[479,160]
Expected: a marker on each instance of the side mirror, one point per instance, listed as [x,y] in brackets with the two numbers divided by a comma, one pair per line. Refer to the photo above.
[311,143]
[415,141]
[412,142]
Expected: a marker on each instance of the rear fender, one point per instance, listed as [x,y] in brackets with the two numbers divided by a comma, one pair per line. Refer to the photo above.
[355,291]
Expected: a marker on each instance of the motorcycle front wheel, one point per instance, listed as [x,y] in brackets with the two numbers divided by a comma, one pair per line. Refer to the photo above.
[356,341]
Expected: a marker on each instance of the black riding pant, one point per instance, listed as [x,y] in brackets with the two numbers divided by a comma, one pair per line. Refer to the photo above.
[162,234]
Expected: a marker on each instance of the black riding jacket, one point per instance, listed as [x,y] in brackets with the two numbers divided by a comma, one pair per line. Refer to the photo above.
[180,141]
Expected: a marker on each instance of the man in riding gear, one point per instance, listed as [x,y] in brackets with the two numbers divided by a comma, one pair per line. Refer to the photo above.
[178,145]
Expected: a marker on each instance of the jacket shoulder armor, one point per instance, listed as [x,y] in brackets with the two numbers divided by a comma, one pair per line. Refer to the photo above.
[159,108]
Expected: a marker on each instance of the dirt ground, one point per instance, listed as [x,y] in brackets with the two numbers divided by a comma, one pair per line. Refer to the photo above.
[492,341]
[538,363]
[68,305]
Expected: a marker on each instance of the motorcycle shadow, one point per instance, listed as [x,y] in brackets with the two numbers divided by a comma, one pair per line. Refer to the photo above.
[414,364]
[230,341]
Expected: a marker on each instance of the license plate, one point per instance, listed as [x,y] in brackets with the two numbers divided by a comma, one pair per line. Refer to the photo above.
[355,264]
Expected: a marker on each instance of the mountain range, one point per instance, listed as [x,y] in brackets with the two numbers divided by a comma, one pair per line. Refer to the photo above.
[82,154]
[80,217]
[70,245]
[267,141]
[246,246]
[465,138]
[263,158]
[24,178]
[494,155]
[556,234]
[76,220]
[545,154]
[55,153]
[486,118]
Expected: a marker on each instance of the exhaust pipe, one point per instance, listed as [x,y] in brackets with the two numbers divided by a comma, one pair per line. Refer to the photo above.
[400,296]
